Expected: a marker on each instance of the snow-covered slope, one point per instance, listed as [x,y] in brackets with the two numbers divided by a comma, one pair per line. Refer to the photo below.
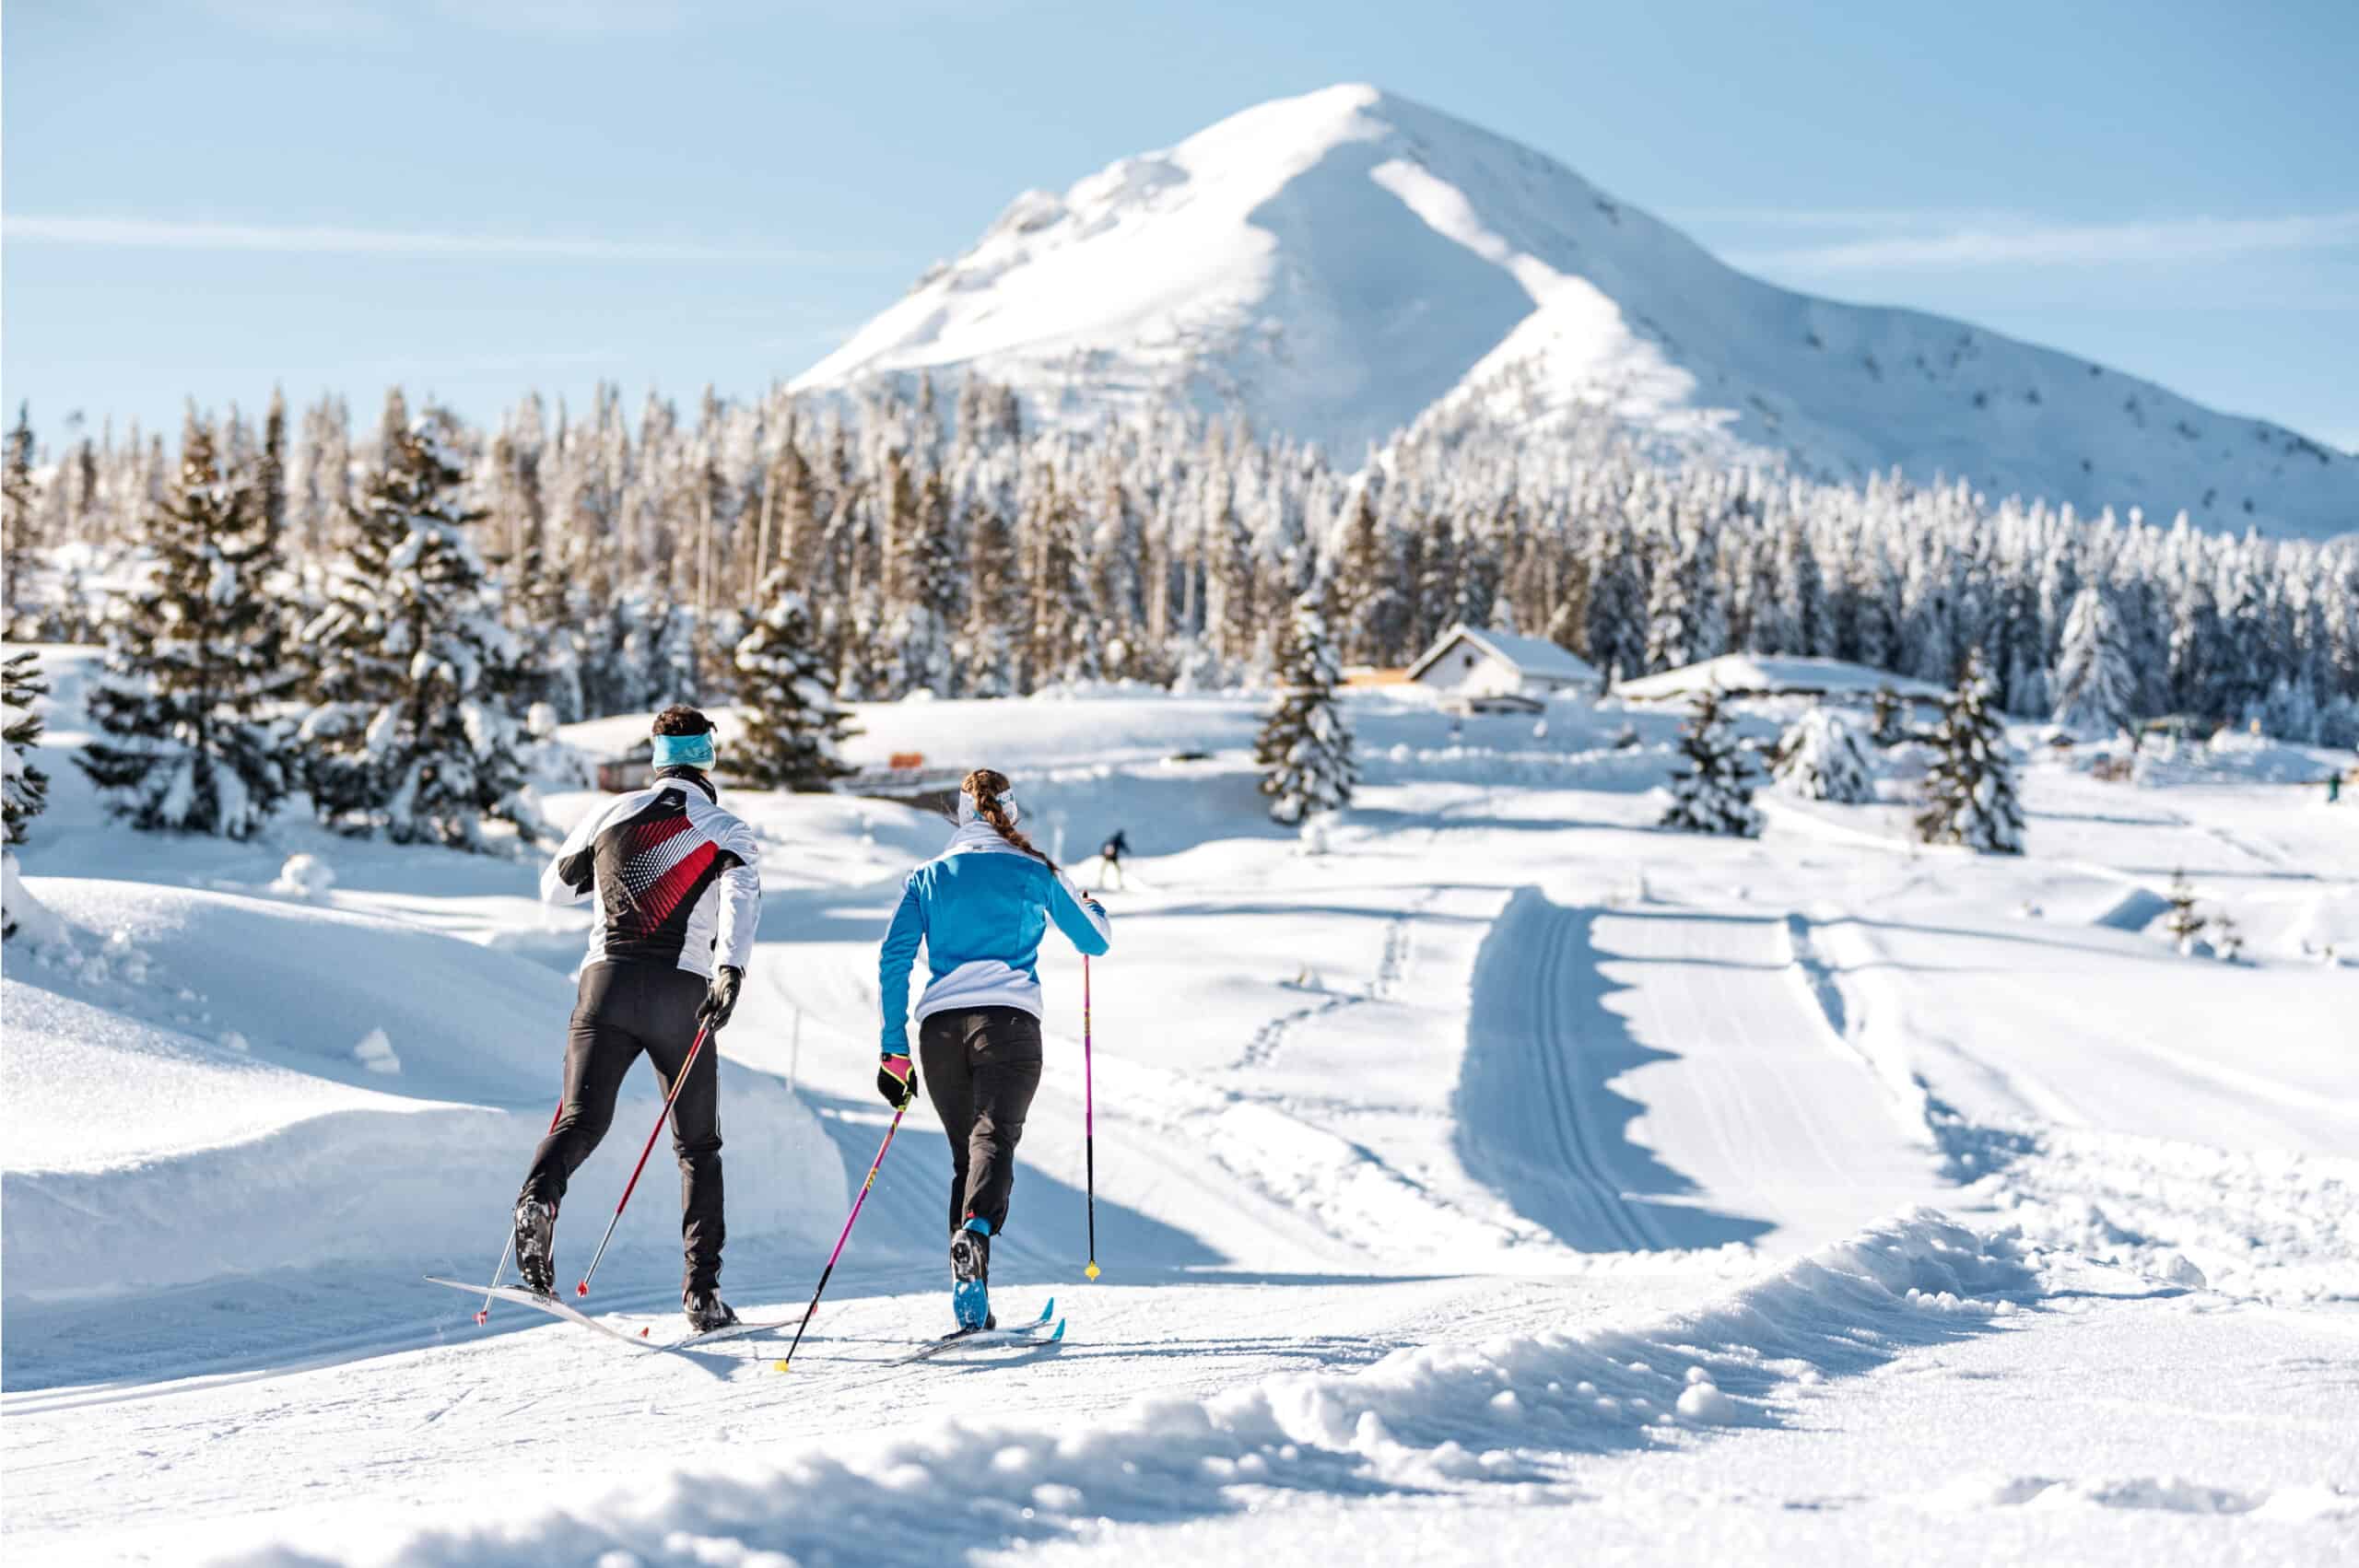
[1343,264]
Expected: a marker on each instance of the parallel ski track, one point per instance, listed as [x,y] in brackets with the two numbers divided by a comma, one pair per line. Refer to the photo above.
[1570,1114]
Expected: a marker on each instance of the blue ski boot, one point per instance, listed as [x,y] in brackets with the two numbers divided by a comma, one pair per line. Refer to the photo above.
[971,1274]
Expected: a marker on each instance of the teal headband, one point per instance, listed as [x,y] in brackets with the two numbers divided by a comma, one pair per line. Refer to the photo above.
[684,751]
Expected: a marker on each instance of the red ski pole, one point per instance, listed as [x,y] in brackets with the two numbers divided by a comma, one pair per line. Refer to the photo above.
[785,1362]
[483,1313]
[677,1083]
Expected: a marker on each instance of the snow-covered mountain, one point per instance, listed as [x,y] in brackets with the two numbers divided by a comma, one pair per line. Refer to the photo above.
[1346,264]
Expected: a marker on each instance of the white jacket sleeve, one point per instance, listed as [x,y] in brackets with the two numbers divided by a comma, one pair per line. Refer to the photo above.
[566,879]
[740,897]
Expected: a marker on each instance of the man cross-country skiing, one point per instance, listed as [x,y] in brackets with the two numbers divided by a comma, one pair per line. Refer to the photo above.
[678,888]
[980,907]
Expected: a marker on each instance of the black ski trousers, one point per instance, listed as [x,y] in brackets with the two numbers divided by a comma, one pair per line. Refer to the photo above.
[622,1010]
[982,1068]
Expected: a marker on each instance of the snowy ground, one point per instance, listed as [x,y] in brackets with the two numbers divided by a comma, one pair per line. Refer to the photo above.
[1511,1178]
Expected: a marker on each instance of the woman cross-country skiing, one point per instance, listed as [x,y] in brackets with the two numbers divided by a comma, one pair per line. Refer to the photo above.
[678,885]
[981,909]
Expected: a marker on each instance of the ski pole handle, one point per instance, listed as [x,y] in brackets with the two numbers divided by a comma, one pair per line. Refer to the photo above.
[678,1083]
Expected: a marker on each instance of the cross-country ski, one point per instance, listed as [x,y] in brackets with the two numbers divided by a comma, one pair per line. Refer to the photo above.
[1329,847]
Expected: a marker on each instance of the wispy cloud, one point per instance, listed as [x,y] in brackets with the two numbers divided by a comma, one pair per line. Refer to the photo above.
[139,233]
[2087,244]
[386,18]
[1857,220]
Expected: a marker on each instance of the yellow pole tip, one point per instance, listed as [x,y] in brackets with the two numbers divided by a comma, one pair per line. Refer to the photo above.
[1091,1271]
[781,1366]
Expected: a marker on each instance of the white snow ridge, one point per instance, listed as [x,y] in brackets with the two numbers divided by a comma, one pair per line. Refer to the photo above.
[1340,266]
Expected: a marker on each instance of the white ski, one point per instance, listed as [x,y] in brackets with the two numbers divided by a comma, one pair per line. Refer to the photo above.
[551,1306]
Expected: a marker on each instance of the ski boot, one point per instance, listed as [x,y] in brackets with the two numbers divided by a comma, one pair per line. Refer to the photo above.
[536,1245]
[706,1310]
[971,1274]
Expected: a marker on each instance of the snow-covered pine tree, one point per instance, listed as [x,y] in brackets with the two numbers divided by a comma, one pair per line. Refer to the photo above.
[987,643]
[18,496]
[1970,795]
[193,663]
[1713,791]
[24,789]
[1821,758]
[1305,747]
[2096,689]
[419,725]
[1889,726]
[792,723]
[2184,924]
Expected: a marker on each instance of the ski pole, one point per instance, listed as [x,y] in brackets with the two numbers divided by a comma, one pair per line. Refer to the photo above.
[677,1083]
[1088,1120]
[483,1313]
[785,1362]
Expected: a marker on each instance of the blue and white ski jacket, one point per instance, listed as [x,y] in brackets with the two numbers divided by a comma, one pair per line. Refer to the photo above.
[980,907]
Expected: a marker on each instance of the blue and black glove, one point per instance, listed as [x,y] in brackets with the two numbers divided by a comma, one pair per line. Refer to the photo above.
[897,1079]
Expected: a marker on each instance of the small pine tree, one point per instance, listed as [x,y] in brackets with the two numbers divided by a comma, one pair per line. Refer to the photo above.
[1713,793]
[1819,758]
[2096,689]
[1888,727]
[419,725]
[19,496]
[2226,940]
[1970,794]
[2185,925]
[192,664]
[24,789]
[1305,747]
[791,722]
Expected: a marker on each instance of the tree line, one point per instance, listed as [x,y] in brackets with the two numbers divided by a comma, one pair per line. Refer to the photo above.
[397,591]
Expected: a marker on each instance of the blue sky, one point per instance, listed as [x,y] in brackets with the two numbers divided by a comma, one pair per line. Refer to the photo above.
[475,196]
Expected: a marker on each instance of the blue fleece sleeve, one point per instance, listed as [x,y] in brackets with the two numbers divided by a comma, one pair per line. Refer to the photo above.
[1082,920]
[893,962]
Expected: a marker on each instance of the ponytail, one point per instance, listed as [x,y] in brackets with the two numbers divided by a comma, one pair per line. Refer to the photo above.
[985,786]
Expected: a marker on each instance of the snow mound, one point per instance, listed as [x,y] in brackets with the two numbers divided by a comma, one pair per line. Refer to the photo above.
[304,876]
[182,1097]
[1503,1412]
[1758,674]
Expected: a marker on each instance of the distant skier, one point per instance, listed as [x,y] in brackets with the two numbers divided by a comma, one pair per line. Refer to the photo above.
[981,909]
[1110,859]
[678,884]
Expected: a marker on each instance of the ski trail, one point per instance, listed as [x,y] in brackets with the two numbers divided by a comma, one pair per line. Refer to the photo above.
[1642,1080]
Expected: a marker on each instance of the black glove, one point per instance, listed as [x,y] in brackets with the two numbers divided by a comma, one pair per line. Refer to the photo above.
[722,1000]
[897,1080]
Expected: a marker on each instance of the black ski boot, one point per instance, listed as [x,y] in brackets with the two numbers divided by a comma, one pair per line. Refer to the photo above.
[536,1245]
[706,1310]
[970,1278]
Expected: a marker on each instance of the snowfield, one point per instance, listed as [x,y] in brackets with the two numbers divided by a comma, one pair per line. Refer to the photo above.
[1510,1181]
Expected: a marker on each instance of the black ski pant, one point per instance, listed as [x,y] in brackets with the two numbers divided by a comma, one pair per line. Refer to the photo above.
[622,1010]
[982,1068]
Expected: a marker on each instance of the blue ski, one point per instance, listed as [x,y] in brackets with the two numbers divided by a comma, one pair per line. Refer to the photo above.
[1020,1334]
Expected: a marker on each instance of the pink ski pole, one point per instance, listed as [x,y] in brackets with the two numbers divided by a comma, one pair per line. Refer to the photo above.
[677,1083]
[785,1362]
[1088,1120]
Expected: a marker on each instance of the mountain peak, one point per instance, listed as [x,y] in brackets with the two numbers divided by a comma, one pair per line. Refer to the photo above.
[1346,263]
